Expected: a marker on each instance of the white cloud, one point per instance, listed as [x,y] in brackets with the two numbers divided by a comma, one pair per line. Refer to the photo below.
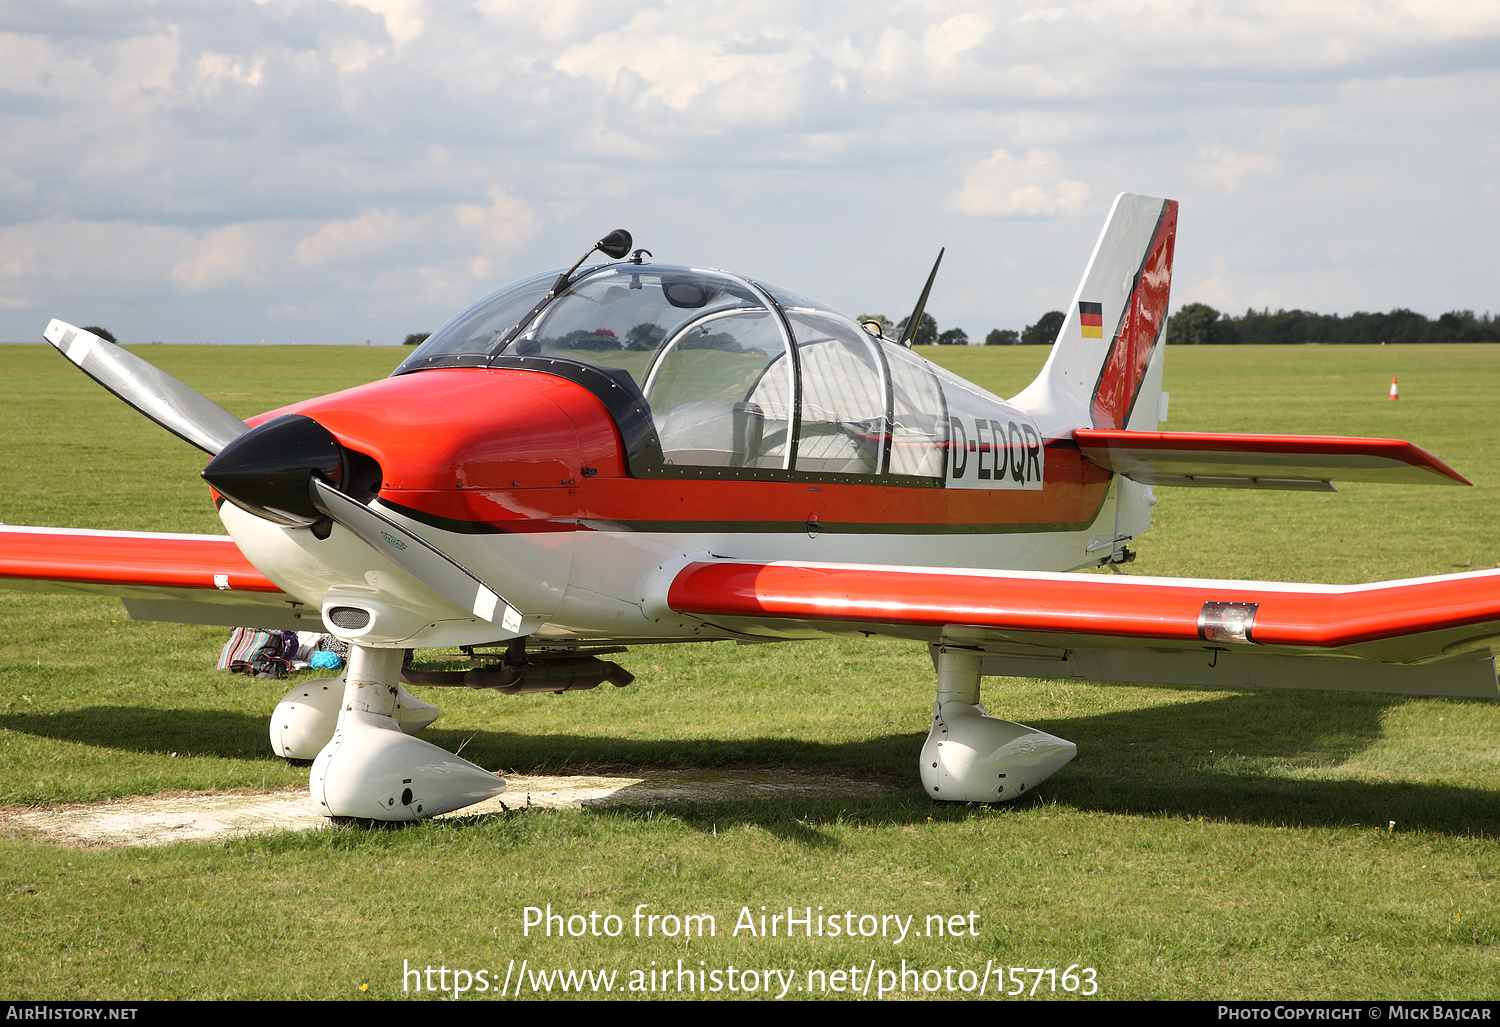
[369,238]
[61,267]
[15,190]
[403,18]
[451,244]
[502,225]
[738,77]
[1002,186]
[242,255]
[215,69]
[1229,168]
[387,238]
[951,45]
[322,157]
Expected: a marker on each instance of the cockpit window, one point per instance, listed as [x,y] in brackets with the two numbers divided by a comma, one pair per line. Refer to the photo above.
[919,415]
[734,373]
[844,392]
[623,315]
[717,396]
[473,334]
[788,300]
[698,344]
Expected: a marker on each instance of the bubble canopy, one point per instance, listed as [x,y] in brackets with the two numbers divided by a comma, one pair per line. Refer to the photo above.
[616,315]
[712,374]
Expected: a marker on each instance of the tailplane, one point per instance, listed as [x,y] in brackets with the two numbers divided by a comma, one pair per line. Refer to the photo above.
[1101,390]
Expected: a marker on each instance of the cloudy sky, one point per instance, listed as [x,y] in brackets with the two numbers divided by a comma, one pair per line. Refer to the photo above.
[337,170]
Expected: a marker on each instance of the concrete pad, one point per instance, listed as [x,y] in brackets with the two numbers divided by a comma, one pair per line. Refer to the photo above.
[162,819]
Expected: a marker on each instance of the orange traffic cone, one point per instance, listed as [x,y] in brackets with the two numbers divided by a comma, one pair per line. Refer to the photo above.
[1395,392]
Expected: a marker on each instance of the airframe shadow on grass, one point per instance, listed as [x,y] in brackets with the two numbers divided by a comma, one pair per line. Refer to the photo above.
[1217,758]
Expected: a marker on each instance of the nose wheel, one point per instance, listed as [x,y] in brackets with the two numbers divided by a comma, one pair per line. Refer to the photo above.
[372,769]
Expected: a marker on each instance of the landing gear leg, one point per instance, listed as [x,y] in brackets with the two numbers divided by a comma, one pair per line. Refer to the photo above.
[970,756]
[373,770]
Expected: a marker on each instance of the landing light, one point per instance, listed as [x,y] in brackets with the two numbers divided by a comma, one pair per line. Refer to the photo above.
[1227,622]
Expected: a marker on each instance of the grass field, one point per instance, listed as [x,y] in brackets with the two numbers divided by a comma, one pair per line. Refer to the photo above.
[1204,844]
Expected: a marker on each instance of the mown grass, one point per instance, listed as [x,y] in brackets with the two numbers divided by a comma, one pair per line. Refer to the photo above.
[1204,844]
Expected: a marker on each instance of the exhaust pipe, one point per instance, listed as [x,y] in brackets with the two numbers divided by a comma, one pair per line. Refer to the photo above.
[560,674]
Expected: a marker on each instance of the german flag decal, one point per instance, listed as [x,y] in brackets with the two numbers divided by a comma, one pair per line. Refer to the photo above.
[1091,318]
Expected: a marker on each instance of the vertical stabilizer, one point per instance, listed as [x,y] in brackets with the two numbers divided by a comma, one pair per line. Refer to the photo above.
[1105,367]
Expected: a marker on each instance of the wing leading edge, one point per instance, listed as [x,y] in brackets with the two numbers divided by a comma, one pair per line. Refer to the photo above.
[1429,636]
[195,579]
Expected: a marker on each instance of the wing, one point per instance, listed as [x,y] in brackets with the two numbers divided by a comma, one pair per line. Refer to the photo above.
[1427,636]
[196,579]
[1308,463]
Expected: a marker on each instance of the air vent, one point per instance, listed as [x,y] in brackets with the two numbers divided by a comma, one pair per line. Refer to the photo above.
[350,618]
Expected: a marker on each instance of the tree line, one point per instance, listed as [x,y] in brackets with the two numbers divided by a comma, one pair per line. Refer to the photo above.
[1198,324]
[1043,333]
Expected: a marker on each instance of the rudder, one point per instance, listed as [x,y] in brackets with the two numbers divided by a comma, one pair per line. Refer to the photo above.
[1106,361]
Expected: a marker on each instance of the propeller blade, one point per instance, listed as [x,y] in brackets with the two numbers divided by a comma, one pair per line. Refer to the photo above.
[181,409]
[418,557]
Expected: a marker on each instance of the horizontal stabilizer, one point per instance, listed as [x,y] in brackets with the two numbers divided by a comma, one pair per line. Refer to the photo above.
[1297,462]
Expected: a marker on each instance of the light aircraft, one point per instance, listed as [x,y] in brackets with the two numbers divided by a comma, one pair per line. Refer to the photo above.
[639,453]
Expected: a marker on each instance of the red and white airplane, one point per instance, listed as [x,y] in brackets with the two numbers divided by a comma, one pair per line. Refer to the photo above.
[640,452]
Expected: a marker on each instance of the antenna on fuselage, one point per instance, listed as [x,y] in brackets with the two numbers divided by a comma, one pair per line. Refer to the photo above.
[916,315]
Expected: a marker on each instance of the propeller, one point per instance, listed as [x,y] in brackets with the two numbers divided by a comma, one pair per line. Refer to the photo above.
[182,410]
[290,469]
[416,556]
[280,470]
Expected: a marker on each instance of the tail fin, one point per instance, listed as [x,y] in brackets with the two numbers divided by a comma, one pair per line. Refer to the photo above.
[1105,367]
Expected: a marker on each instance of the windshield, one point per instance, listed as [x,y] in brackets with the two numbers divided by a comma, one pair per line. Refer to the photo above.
[734,373]
[617,316]
[470,336]
[696,343]
[625,315]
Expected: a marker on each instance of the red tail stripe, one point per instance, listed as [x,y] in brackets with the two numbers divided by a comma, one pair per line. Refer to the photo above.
[1145,312]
